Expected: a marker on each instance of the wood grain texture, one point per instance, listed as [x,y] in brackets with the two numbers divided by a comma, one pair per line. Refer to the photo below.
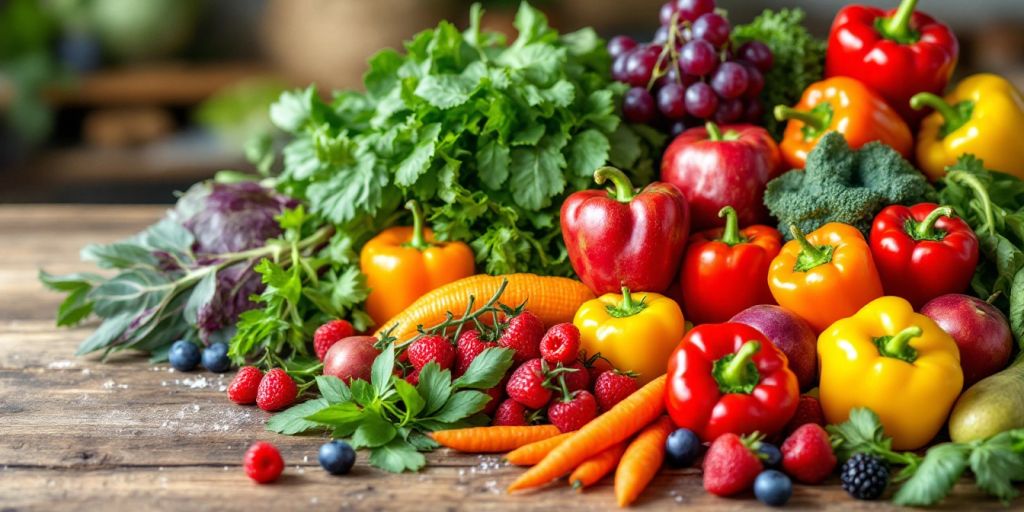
[78,434]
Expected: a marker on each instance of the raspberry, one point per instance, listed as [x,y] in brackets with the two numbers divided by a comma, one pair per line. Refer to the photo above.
[561,344]
[865,477]
[522,334]
[245,385]
[431,348]
[263,463]
[807,454]
[510,413]
[330,333]
[277,391]
[612,386]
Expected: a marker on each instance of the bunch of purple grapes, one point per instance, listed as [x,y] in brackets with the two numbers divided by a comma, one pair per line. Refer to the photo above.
[689,72]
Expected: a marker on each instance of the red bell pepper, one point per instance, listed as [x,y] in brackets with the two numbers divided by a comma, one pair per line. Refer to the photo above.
[922,251]
[622,238]
[726,270]
[898,53]
[730,378]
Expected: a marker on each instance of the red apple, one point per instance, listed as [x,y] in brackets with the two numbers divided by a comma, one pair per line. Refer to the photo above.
[979,329]
[351,358]
[722,166]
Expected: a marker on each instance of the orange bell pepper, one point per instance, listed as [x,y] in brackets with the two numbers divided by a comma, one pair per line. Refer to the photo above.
[844,105]
[826,275]
[403,263]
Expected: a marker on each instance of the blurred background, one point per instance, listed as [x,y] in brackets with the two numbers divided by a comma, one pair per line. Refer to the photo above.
[126,101]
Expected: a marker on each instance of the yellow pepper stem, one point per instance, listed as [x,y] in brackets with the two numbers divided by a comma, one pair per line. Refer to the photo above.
[898,346]
[628,307]
[737,373]
[925,230]
[731,234]
[624,191]
[810,256]
[419,241]
[954,116]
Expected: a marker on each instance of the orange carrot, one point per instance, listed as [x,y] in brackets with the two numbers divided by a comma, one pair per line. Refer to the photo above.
[492,439]
[532,453]
[614,426]
[553,299]
[595,468]
[642,461]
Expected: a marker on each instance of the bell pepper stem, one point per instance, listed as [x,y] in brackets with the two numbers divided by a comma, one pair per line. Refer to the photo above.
[953,118]
[784,113]
[628,307]
[736,373]
[624,192]
[898,346]
[731,233]
[926,229]
[810,256]
[627,299]
[897,26]
[419,241]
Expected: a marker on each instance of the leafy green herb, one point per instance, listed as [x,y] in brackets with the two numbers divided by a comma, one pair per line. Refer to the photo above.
[389,416]
[996,462]
[798,58]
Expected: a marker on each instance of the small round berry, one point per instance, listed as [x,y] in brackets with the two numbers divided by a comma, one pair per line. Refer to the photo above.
[277,391]
[682,448]
[638,106]
[773,488]
[865,477]
[263,463]
[769,454]
[336,457]
[701,100]
[712,28]
[184,355]
[619,45]
[690,10]
[215,358]
[758,54]
[665,14]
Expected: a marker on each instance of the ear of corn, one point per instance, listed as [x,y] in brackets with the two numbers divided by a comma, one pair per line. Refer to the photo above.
[553,299]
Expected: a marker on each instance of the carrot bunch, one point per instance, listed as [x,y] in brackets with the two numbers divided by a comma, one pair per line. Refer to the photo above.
[589,453]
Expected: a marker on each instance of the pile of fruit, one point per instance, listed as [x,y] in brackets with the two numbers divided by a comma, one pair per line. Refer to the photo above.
[825,283]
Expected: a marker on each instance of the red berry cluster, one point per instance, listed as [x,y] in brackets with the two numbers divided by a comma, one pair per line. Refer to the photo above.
[690,71]
[271,392]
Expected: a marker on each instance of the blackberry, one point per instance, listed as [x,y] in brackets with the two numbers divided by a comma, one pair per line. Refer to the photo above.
[865,476]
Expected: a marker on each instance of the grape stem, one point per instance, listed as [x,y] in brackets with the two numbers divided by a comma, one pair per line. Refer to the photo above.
[669,50]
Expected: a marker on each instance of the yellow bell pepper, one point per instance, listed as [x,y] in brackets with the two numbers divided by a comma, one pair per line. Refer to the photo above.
[634,332]
[898,363]
[983,115]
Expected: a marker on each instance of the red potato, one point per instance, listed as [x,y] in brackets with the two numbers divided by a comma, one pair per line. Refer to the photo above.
[791,334]
[351,358]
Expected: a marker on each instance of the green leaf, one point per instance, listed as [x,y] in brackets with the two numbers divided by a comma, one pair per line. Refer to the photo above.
[200,297]
[362,392]
[383,369]
[339,414]
[435,386]
[373,431]
[333,389]
[292,110]
[293,420]
[536,173]
[1017,306]
[486,370]
[444,91]
[107,333]
[625,147]
[418,161]
[77,305]
[588,150]
[998,463]
[397,456]
[462,405]
[862,433]
[414,403]
[118,255]
[935,477]
[493,159]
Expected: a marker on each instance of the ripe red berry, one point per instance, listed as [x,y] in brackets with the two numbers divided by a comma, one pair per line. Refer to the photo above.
[522,333]
[578,378]
[245,385]
[561,344]
[808,410]
[263,463]
[496,393]
[277,390]
[413,377]
[572,412]
[730,466]
[528,385]
[612,387]
[470,345]
[431,348]
[330,333]
[510,413]
[807,454]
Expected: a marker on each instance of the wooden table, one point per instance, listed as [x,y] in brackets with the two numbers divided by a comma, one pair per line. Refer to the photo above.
[79,434]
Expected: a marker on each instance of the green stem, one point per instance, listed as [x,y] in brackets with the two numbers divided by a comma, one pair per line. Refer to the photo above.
[714,133]
[981,192]
[898,346]
[926,229]
[731,234]
[953,118]
[815,121]
[810,256]
[627,299]
[418,240]
[897,26]
[628,307]
[735,373]
[624,192]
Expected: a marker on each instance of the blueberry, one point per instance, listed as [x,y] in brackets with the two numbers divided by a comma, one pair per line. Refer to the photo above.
[769,454]
[184,355]
[337,457]
[773,488]
[682,448]
[215,358]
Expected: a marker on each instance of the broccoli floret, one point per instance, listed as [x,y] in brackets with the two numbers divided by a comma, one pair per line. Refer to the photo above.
[841,184]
